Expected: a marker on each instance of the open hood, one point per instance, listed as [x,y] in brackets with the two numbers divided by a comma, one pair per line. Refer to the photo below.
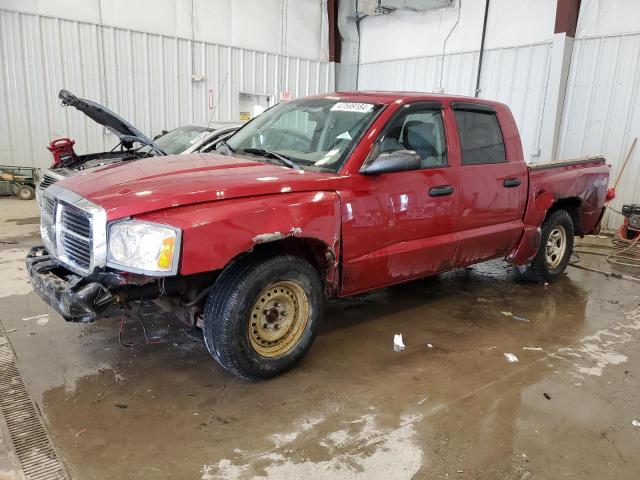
[126,132]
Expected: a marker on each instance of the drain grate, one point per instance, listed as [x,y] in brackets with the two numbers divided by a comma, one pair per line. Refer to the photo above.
[37,457]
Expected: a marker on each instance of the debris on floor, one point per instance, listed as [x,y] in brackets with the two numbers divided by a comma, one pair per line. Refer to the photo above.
[41,322]
[547,396]
[511,358]
[533,349]
[398,344]
[520,319]
[635,423]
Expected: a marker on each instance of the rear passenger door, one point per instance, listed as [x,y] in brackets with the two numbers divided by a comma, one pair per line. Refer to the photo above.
[492,186]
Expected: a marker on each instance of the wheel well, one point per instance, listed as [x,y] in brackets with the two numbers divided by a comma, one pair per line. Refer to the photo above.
[322,257]
[572,206]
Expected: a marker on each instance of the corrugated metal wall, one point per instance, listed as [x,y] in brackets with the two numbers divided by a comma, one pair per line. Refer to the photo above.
[602,109]
[516,76]
[145,78]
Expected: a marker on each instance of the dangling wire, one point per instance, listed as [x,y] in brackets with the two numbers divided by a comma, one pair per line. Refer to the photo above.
[147,339]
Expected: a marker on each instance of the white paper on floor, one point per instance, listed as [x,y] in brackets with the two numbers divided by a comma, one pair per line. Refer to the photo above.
[511,358]
[398,344]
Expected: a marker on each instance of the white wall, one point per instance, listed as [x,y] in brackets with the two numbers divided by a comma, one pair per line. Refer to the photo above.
[287,27]
[608,17]
[407,34]
[155,81]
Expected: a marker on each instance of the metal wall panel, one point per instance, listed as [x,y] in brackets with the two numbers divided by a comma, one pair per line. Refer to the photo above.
[602,110]
[156,82]
[516,76]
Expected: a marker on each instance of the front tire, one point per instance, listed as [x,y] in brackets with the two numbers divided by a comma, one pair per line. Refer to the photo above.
[262,315]
[556,247]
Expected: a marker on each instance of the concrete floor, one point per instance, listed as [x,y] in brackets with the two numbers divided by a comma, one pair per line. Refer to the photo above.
[449,406]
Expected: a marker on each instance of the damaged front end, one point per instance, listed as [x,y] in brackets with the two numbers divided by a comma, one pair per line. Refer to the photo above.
[106,293]
[76,298]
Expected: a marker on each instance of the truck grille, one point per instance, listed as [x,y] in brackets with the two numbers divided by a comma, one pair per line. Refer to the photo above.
[47,180]
[75,231]
[49,207]
[67,228]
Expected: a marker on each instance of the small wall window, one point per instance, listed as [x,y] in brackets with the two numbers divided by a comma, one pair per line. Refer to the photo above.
[418,127]
[480,137]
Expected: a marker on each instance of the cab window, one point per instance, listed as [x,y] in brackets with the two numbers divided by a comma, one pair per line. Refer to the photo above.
[418,127]
[480,137]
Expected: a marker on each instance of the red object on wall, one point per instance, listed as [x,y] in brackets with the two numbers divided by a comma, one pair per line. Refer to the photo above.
[62,149]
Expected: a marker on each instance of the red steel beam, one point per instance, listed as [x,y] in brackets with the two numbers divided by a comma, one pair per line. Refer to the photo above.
[567,12]
[334,33]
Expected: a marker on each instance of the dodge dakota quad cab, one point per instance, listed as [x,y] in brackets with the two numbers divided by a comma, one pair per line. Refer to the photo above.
[367,190]
[132,145]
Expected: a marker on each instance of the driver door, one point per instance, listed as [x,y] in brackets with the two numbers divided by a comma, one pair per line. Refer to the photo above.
[402,225]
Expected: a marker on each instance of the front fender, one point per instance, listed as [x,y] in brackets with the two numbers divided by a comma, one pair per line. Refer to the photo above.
[214,233]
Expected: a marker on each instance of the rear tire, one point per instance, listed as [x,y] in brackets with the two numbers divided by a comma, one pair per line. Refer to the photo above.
[262,315]
[554,252]
[26,192]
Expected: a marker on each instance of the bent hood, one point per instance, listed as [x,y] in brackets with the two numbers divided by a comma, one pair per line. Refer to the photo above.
[157,183]
[105,117]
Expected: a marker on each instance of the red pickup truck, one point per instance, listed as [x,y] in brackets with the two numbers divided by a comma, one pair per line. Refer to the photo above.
[327,196]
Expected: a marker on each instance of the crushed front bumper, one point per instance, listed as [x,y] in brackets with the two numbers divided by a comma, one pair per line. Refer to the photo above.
[72,296]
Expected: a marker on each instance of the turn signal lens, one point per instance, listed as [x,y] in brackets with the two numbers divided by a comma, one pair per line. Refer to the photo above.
[166,253]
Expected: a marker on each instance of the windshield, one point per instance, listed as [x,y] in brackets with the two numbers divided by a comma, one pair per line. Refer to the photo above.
[315,133]
[179,139]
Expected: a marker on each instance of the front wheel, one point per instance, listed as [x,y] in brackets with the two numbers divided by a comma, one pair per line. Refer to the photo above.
[262,315]
[556,247]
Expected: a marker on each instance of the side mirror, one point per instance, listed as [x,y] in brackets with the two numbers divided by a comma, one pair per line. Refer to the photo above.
[164,132]
[394,161]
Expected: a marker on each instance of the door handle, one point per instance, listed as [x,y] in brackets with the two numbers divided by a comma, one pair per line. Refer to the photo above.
[441,191]
[511,182]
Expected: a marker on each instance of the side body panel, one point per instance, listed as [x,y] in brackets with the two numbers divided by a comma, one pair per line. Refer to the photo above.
[583,183]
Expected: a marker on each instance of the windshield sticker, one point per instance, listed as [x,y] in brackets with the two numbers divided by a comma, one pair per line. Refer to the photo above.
[344,136]
[352,107]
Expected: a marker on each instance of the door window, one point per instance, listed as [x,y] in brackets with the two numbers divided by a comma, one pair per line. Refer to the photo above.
[480,137]
[419,128]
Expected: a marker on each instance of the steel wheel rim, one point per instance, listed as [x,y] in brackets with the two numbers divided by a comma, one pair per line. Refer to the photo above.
[278,319]
[556,247]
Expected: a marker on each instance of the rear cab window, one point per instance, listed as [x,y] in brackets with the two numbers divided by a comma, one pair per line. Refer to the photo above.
[480,135]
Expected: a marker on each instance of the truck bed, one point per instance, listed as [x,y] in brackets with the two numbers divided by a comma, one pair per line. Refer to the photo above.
[577,162]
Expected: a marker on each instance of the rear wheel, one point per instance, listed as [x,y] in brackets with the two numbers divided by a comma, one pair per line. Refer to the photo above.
[26,192]
[262,315]
[556,246]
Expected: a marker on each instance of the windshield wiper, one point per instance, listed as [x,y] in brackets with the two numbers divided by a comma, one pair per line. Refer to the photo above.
[275,155]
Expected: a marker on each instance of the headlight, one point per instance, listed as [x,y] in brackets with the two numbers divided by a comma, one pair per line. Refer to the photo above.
[143,247]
